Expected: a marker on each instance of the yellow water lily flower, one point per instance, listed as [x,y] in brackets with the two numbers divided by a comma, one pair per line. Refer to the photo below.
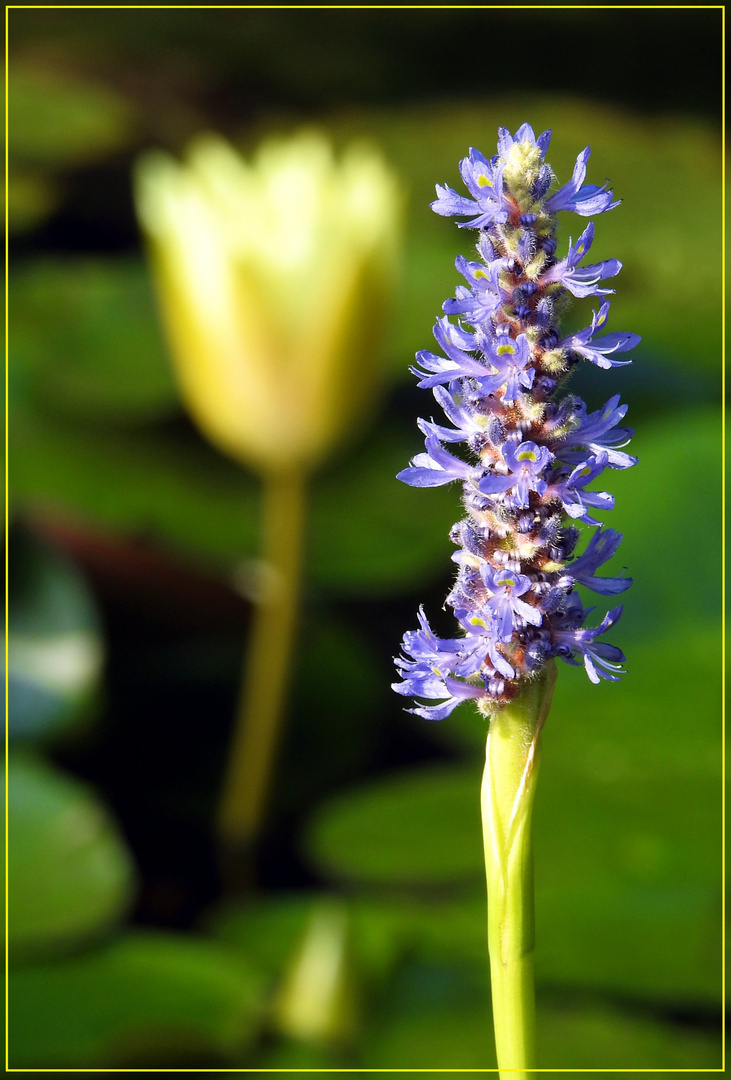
[274,278]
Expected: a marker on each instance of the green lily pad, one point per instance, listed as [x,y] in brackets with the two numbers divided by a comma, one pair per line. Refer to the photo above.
[597,1035]
[372,534]
[426,142]
[418,828]
[630,804]
[366,529]
[54,645]
[70,877]
[60,120]
[627,830]
[433,1016]
[437,1016]
[669,485]
[268,928]
[32,197]
[146,1000]
[85,340]
[149,484]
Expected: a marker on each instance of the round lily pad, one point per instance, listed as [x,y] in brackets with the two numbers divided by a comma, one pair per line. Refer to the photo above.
[70,876]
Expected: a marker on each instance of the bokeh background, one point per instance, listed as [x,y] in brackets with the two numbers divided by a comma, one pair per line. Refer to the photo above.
[132,548]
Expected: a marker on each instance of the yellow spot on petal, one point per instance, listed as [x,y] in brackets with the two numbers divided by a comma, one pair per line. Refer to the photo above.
[505,349]
[484,181]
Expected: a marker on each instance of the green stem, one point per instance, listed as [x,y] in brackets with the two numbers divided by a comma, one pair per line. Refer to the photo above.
[261,703]
[508,790]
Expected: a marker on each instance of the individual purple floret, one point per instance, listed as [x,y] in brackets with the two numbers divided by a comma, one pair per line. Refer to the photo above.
[532,453]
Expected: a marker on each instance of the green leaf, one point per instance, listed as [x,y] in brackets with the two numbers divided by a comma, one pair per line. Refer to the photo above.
[268,928]
[418,828]
[86,341]
[32,197]
[60,120]
[371,534]
[627,831]
[54,645]
[150,484]
[433,1016]
[367,532]
[426,142]
[596,1035]
[146,1000]
[669,491]
[70,877]
[628,826]
[437,1016]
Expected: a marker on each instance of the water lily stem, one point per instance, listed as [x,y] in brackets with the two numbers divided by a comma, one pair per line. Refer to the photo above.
[508,791]
[258,720]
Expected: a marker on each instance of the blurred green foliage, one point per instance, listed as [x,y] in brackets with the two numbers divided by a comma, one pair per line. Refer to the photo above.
[85,992]
[86,351]
[57,122]
[627,818]
[70,875]
[627,839]
[137,1001]
[643,156]
[106,358]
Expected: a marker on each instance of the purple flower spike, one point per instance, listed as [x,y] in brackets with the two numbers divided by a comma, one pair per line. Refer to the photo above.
[582,280]
[504,591]
[527,463]
[435,467]
[511,358]
[573,494]
[598,433]
[480,302]
[533,452]
[584,199]
[599,351]
[485,184]
[602,546]
[577,646]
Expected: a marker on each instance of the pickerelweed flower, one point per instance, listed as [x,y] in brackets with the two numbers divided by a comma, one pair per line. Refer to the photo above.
[533,451]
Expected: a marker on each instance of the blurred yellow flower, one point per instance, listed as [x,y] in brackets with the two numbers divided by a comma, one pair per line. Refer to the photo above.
[315,1001]
[274,279]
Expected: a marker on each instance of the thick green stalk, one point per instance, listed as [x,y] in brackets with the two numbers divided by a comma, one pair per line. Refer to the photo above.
[261,704]
[508,790]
